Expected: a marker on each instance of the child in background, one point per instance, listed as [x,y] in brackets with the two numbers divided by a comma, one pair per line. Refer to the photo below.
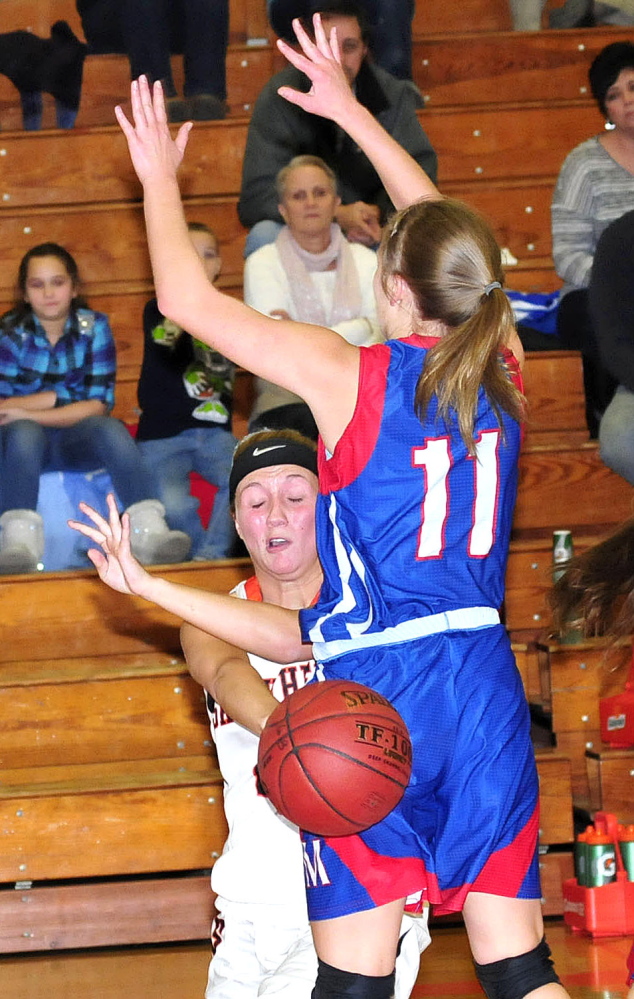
[185,394]
[57,375]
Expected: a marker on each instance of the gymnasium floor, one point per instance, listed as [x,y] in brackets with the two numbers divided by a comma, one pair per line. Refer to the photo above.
[590,970]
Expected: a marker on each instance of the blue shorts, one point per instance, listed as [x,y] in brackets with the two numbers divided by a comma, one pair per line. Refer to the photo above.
[469,818]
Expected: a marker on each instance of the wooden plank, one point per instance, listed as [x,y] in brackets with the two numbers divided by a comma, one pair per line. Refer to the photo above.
[81,165]
[611,782]
[111,819]
[580,675]
[91,721]
[508,66]
[526,657]
[474,144]
[574,745]
[517,210]
[63,615]
[554,869]
[555,797]
[106,82]
[502,141]
[109,240]
[569,486]
[470,15]
[529,581]
[105,914]
[553,384]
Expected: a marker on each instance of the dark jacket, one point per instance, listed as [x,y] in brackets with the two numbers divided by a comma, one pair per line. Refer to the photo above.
[278,131]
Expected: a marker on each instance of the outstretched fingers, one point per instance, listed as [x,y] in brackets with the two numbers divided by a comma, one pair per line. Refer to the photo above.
[154,153]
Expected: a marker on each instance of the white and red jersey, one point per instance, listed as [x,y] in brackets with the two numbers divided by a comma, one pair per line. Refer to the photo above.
[262,858]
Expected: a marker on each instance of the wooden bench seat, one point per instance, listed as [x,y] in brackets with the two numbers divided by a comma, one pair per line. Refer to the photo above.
[497,141]
[529,578]
[567,485]
[114,819]
[575,677]
[553,385]
[509,66]
[105,913]
[113,708]
[611,781]
[70,615]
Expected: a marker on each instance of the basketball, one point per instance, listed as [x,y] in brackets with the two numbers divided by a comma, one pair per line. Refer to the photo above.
[335,758]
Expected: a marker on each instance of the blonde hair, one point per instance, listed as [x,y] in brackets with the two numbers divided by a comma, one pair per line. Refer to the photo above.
[306,160]
[448,256]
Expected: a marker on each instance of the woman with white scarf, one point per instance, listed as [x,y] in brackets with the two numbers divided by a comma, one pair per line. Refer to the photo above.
[310,273]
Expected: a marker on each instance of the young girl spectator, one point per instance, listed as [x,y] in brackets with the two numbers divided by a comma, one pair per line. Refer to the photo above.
[57,375]
[420,440]
[185,395]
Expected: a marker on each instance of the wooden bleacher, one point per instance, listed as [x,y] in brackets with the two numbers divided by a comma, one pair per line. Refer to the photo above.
[110,799]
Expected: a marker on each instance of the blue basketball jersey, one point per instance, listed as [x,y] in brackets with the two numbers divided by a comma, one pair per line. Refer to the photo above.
[408,523]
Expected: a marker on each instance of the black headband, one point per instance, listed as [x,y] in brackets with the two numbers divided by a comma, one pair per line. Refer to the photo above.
[268,452]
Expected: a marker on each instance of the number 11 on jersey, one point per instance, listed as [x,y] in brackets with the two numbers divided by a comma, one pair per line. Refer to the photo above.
[436,460]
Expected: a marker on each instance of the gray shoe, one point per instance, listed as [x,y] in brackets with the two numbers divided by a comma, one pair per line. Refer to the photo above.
[151,540]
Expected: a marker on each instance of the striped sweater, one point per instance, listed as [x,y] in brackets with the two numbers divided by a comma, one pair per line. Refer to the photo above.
[592,190]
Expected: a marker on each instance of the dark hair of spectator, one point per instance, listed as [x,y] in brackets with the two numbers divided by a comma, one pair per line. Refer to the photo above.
[21,307]
[202,227]
[342,8]
[606,67]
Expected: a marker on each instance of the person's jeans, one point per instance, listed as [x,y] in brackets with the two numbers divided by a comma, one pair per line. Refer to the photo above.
[208,451]
[263,232]
[205,26]
[616,434]
[29,449]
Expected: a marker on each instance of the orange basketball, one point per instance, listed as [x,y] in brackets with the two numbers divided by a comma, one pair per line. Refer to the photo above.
[335,757]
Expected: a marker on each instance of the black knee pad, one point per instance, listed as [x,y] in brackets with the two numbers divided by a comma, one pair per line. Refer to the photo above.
[515,977]
[332,983]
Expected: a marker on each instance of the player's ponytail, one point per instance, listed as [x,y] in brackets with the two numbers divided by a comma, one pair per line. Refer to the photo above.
[451,262]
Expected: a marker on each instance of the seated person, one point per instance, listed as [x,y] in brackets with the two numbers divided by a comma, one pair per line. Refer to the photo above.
[278,131]
[391,25]
[611,301]
[310,273]
[595,186]
[185,395]
[57,374]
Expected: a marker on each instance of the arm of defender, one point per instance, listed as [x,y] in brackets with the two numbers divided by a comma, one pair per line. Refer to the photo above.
[331,97]
[227,674]
[311,361]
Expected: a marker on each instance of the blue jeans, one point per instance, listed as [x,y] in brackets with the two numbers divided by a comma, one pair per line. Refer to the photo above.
[29,449]
[208,451]
[263,232]
[616,434]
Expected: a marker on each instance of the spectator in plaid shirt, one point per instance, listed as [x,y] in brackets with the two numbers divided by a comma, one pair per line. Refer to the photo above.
[57,374]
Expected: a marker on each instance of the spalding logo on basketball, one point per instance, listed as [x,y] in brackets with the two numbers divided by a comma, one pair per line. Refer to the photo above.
[335,757]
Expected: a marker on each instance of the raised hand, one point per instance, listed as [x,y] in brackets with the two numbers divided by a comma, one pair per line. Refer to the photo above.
[330,95]
[113,560]
[153,151]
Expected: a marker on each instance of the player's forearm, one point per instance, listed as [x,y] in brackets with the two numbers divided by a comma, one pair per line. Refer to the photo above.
[263,629]
[230,679]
